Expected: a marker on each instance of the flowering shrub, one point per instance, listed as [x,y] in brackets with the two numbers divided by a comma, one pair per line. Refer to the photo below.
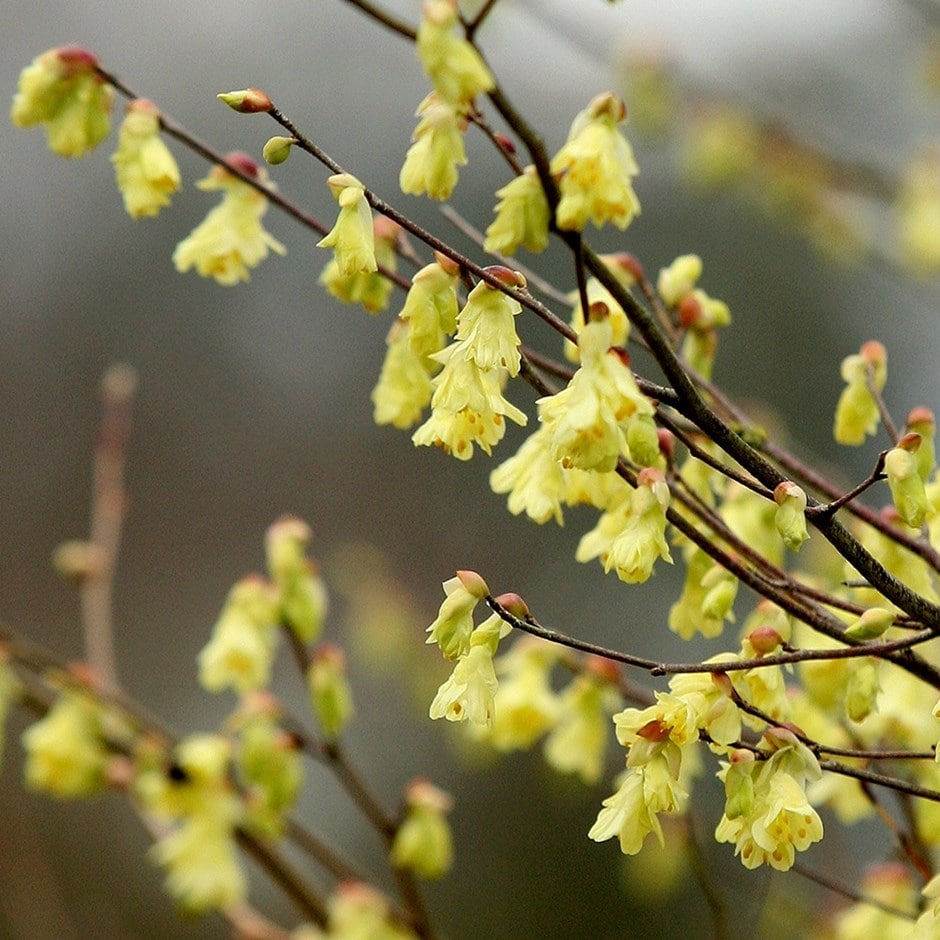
[826,699]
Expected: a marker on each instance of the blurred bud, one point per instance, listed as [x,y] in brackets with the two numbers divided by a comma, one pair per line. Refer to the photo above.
[278,149]
[247,101]
[330,694]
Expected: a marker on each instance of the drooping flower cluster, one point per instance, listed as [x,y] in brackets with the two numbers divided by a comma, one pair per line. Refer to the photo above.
[595,169]
[467,406]
[230,240]
[369,288]
[432,162]
[62,90]
[865,374]
[147,174]
[352,238]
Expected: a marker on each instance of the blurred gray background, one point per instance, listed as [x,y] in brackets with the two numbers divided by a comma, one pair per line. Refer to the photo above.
[254,401]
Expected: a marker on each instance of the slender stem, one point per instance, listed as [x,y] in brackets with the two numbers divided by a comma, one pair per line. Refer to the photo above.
[474,24]
[388,20]
[839,887]
[875,476]
[108,505]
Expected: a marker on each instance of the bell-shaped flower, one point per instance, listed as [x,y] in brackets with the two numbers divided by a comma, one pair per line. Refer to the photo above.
[777,820]
[240,653]
[66,754]
[147,174]
[431,306]
[534,480]
[578,742]
[486,325]
[455,68]
[595,169]
[230,239]
[404,387]
[588,417]
[526,705]
[631,536]
[269,764]
[905,482]
[921,421]
[697,610]
[857,414]
[423,841]
[352,238]
[370,289]
[790,517]
[469,693]
[431,164]
[303,600]
[631,813]
[63,90]
[919,214]
[453,625]
[522,216]
[330,693]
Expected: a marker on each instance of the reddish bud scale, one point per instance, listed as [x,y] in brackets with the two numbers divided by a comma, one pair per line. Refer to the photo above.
[723,681]
[514,604]
[910,442]
[764,640]
[621,354]
[74,59]
[506,276]
[649,476]
[386,229]
[604,669]
[330,653]
[921,415]
[667,444]
[690,311]
[240,160]
[629,263]
[447,264]
[874,352]
[598,312]
[505,144]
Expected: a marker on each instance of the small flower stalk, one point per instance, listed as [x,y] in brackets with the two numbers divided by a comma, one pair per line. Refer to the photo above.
[62,90]
[230,240]
[595,169]
[147,174]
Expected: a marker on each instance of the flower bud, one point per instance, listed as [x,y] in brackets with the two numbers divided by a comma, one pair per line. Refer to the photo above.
[904,481]
[871,624]
[790,518]
[330,694]
[278,149]
[423,841]
[248,101]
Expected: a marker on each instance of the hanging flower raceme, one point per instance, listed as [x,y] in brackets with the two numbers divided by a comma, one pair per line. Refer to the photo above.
[240,653]
[63,90]
[371,289]
[595,169]
[329,691]
[631,535]
[453,625]
[403,390]
[522,216]
[147,174]
[66,754]
[534,479]
[230,239]
[302,597]
[767,815]
[921,421]
[431,306]
[199,854]
[907,487]
[790,517]
[423,841]
[431,164]
[485,326]
[352,238]
[698,314]
[469,693]
[857,414]
[455,68]
[588,418]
